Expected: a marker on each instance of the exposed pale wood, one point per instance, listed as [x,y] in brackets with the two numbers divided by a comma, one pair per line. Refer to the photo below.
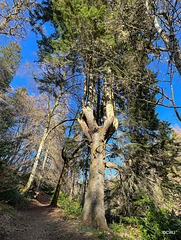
[85,129]
[114,166]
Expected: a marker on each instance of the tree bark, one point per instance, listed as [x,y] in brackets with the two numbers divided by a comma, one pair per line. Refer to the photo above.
[93,210]
[33,171]
[42,170]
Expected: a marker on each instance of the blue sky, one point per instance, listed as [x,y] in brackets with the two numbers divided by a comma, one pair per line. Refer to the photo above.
[29,49]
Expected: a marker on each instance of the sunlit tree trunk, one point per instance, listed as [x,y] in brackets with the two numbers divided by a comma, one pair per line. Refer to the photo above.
[33,171]
[98,136]
[47,131]
[42,170]
[93,210]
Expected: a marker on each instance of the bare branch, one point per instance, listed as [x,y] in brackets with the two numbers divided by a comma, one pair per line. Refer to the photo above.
[58,124]
[173,99]
[114,166]
[14,17]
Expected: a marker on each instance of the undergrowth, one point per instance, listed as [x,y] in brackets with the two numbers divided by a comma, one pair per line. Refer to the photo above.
[9,190]
[6,209]
[153,224]
[71,207]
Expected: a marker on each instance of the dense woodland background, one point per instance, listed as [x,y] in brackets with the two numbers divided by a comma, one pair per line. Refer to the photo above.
[86,131]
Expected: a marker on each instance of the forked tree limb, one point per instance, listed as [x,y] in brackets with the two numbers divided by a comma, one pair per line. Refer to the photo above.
[92,125]
[85,129]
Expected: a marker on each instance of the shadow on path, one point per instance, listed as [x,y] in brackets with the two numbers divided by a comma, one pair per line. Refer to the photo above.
[42,222]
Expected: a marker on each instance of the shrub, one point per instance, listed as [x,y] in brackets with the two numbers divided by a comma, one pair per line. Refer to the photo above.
[14,198]
[9,192]
[117,227]
[71,207]
[150,222]
[154,222]
[126,230]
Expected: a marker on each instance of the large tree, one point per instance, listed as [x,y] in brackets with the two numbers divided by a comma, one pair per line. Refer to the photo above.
[107,42]
[88,35]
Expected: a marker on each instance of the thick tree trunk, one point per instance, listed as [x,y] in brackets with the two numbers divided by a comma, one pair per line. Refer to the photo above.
[98,134]
[93,210]
[33,171]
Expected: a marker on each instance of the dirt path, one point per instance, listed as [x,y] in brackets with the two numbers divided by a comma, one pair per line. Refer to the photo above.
[40,222]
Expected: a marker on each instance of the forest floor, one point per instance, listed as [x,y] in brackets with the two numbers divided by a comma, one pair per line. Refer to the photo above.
[41,222]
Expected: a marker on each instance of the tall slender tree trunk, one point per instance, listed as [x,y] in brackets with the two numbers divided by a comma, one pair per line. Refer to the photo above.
[72,185]
[93,210]
[42,170]
[85,183]
[57,190]
[33,171]
[45,160]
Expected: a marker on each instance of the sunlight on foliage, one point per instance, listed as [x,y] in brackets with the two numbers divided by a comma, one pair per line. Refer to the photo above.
[71,207]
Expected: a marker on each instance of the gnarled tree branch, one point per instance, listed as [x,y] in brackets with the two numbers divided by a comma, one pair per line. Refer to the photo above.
[114,166]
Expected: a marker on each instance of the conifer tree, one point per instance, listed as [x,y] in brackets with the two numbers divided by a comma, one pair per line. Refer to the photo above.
[106,42]
[147,149]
